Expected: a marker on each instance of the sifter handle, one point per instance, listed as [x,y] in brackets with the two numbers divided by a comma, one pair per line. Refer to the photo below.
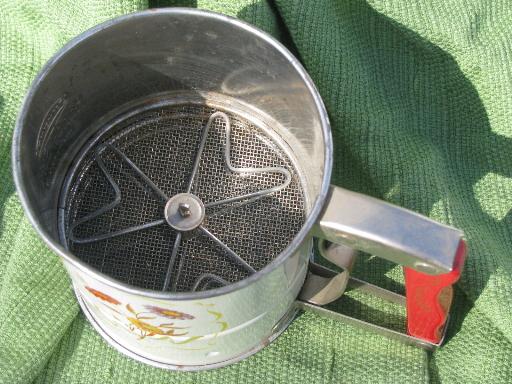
[431,253]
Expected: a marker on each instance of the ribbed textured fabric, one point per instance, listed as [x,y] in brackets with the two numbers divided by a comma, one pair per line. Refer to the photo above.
[420,101]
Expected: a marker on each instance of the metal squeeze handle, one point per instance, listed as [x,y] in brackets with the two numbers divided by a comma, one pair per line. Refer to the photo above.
[433,253]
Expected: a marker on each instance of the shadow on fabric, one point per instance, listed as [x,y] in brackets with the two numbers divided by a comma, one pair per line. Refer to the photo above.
[408,126]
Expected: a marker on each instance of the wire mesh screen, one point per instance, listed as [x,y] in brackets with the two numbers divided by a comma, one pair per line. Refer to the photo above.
[114,210]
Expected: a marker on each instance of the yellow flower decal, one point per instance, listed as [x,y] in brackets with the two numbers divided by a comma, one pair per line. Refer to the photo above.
[147,329]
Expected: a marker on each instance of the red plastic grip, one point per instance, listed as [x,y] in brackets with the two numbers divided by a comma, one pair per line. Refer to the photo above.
[429,297]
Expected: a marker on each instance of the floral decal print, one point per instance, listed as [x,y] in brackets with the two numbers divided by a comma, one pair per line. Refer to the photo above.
[169,313]
[144,328]
[151,320]
[103,296]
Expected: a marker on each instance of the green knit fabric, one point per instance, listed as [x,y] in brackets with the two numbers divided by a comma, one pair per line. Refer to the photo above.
[420,101]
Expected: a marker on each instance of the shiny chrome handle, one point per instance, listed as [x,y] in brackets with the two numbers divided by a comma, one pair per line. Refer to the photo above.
[397,234]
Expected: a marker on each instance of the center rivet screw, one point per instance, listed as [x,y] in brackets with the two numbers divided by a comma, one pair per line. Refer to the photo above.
[184,209]
[184,212]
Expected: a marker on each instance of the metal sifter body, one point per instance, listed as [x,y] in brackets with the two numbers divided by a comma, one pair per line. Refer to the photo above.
[179,162]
